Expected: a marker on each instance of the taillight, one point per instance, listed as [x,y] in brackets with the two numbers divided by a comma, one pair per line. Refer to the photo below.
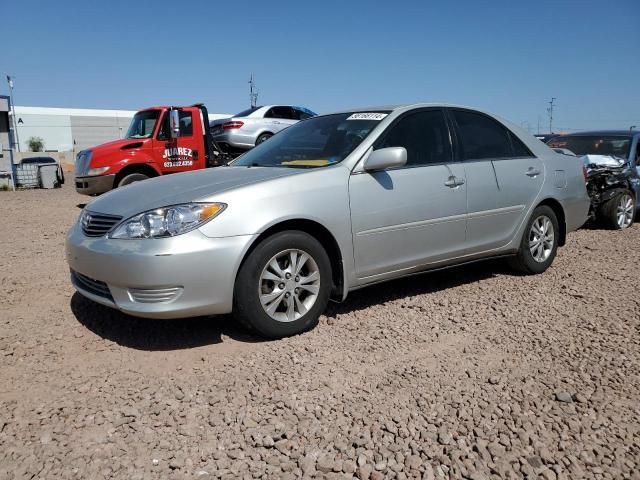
[232,125]
[584,173]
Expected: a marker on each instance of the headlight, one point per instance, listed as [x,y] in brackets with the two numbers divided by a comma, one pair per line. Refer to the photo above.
[97,171]
[168,221]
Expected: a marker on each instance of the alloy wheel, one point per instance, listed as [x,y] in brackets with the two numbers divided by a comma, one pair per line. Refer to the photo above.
[624,211]
[541,239]
[289,285]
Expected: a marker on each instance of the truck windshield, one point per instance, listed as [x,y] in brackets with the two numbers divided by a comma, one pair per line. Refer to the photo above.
[143,124]
[317,142]
[614,146]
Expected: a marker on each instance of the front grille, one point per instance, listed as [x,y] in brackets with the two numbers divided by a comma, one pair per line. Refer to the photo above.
[98,224]
[156,295]
[90,285]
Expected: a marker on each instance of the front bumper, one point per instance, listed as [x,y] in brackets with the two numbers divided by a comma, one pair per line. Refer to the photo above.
[94,185]
[184,276]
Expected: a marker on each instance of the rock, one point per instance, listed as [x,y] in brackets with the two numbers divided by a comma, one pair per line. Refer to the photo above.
[364,471]
[445,438]
[564,397]
[307,464]
[324,464]
[413,462]
[535,462]
[494,380]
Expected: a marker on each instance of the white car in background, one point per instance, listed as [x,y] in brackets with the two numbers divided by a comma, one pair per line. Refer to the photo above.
[251,127]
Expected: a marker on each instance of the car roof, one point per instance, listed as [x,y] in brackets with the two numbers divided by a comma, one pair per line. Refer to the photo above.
[410,106]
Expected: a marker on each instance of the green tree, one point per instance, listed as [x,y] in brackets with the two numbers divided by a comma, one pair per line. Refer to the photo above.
[36,144]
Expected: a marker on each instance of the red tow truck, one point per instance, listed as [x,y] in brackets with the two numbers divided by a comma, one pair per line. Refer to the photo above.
[160,140]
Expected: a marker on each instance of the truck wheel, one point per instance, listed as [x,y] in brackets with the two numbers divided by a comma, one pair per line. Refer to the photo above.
[131,178]
[539,243]
[619,211]
[284,285]
[263,138]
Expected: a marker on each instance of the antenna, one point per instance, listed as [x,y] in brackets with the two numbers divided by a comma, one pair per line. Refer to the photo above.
[550,112]
[253,92]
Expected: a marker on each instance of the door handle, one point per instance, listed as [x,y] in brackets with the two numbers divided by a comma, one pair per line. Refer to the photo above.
[453,182]
[532,172]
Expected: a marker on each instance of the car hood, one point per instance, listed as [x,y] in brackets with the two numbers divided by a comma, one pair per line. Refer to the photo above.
[182,188]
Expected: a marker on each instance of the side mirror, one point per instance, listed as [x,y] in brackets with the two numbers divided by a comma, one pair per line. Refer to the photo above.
[174,123]
[385,158]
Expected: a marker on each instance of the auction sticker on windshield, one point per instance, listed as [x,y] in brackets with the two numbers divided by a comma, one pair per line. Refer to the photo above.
[367,116]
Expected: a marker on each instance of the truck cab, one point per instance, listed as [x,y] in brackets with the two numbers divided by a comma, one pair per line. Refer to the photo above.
[160,140]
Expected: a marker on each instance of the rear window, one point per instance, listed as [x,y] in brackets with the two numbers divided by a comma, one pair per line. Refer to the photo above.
[247,112]
[611,145]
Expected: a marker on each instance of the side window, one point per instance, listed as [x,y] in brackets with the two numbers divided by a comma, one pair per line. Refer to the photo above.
[186,124]
[301,114]
[279,112]
[425,136]
[481,136]
[519,148]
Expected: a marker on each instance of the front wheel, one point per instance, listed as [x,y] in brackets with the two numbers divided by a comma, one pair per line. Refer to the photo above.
[131,178]
[284,285]
[539,243]
[619,211]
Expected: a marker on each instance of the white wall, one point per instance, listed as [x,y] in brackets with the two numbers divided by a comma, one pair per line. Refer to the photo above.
[59,127]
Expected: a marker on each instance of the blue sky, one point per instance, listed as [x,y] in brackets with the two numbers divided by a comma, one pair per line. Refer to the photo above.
[507,57]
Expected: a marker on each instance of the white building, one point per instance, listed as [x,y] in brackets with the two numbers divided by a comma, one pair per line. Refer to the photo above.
[73,129]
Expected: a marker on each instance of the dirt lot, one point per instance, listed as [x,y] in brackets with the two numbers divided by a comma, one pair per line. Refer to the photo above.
[470,373]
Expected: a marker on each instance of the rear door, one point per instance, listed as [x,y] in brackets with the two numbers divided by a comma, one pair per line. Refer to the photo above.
[503,179]
[412,216]
[185,152]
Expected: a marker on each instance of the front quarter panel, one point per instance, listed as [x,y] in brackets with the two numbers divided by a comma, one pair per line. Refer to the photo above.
[318,195]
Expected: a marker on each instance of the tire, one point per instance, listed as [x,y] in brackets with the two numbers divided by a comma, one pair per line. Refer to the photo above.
[278,318]
[131,178]
[619,211]
[263,138]
[544,250]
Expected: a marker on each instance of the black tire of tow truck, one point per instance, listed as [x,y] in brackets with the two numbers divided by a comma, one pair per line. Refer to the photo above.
[131,178]
[607,213]
[263,138]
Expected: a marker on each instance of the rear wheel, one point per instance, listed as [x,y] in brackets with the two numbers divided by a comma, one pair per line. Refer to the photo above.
[539,243]
[263,138]
[131,178]
[284,285]
[619,211]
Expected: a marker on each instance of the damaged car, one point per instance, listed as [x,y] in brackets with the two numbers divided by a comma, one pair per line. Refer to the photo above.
[611,160]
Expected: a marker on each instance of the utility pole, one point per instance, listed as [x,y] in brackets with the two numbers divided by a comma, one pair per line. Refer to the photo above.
[550,111]
[13,113]
[253,92]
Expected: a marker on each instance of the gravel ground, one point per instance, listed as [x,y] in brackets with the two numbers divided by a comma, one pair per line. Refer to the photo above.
[470,373]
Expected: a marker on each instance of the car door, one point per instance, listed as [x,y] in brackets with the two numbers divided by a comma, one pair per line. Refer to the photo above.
[182,153]
[409,217]
[503,179]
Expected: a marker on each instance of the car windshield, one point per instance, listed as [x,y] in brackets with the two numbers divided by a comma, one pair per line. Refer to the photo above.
[143,124]
[317,142]
[247,112]
[614,146]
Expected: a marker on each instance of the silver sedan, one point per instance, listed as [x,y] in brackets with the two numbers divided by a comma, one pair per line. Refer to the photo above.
[332,204]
